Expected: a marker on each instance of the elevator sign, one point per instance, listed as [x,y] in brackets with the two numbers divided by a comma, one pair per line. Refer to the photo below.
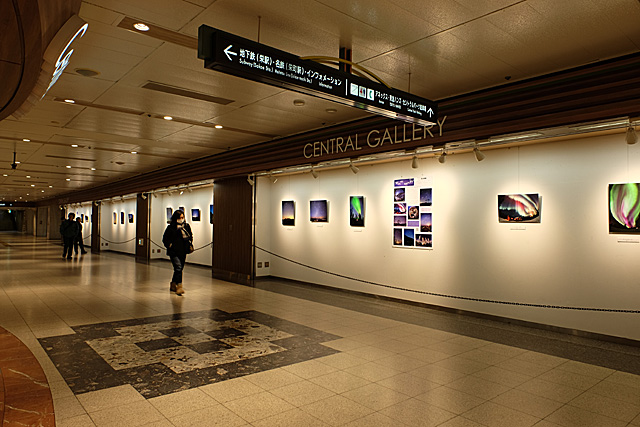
[231,54]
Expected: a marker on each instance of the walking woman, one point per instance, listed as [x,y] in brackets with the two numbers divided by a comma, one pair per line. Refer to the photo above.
[178,240]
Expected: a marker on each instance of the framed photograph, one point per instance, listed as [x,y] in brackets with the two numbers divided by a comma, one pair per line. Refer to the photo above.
[399,208]
[425,197]
[624,208]
[210,214]
[82,218]
[409,237]
[115,218]
[289,212]
[195,215]
[169,214]
[399,194]
[319,211]
[423,240]
[130,218]
[425,222]
[400,220]
[413,212]
[397,237]
[519,207]
[121,217]
[356,211]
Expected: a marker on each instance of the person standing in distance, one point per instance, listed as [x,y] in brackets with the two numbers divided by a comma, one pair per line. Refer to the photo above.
[79,240]
[178,240]
[69,230]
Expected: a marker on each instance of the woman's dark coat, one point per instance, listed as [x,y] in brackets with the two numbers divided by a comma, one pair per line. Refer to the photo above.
[174,242]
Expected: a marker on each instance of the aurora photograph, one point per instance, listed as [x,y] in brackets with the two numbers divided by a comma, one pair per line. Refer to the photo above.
[408,236]
[195,214]
[400,220]
[318,211]
[130,216]
[398,194]
[288,212]
[624,208]
[519,207]
[397,236]
[425,223]
[356,211]
[425,197]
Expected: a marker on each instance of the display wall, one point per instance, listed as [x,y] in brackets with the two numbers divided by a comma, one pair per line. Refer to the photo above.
[196,202]
[117,233]
[567,259]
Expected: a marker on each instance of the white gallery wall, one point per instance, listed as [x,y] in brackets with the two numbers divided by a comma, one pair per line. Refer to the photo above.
[118,235]
[200,198]
[568,259]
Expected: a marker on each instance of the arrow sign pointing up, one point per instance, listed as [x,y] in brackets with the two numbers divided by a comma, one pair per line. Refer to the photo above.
[229,53]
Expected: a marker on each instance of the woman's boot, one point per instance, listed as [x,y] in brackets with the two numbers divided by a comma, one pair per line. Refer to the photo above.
[172,287]
[179,290]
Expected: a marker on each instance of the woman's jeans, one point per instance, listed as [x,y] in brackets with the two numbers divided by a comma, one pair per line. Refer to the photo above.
[178,266]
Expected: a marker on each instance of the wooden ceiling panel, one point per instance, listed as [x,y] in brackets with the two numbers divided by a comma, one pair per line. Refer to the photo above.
[46,113]
[625,15]
[96,13]
[173,14]
[74,86]
[201,138]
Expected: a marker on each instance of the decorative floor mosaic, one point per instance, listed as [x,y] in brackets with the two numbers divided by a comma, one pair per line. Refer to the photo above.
[164,354]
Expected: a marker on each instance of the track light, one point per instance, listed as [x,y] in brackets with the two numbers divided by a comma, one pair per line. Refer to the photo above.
[353,167]
[250,180]
[155,196]
[181,192]
[632,136]
[314,173]
[414,162]
[443,157]
[479,155]
[190,190]
[144,196]
[272,178]
[122,199]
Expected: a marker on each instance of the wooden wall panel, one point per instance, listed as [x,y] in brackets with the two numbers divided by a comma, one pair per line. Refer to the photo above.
[96,210]
[142,229]
[233,236]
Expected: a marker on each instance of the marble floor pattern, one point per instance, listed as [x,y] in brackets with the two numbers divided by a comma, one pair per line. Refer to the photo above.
[118,349]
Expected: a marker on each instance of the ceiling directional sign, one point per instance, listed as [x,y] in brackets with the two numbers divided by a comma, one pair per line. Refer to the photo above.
[228,53]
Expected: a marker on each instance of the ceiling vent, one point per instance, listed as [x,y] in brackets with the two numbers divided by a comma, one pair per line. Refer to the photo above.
[161,87]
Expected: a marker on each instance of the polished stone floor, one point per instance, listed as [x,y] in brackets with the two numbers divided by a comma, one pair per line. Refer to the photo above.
[118,349]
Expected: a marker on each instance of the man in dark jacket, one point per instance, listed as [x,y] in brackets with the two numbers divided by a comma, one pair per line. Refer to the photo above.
[79,241]
[69,230]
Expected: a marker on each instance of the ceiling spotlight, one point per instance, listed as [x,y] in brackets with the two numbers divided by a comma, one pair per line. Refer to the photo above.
[28,176]
[168,118]
[68,167]
[93,169]
[4,174]
[33,185]
[414,162]
[42,191]
[140,26]
[26,140]
[74,145]
[190,190]
[181,192]
[353,167]
[272,178]
[632,136]
[51,186]
[68,179]
[479,155]
[314,173]
[134,152]
[69,101]
[122,199]
[144,196]
[250,180]
[218,126]
[443,157]
[155,196]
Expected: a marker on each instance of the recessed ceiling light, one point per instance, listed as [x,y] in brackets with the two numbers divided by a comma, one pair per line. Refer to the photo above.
[69,101]
[68,179]
[42,191]
[134,152]
[33,185]
[168,118]
[28,176]
[140,26]
[68,167]
[298,102]
[218,126]
[93,169]
[51,186]
[331,110]
[17,163]
[74,145]
[4,174]
[26,140]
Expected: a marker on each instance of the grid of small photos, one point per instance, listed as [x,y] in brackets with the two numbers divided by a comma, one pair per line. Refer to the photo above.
[412,217]
[195,214]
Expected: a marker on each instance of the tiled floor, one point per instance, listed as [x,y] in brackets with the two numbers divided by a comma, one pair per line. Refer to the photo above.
[305,356]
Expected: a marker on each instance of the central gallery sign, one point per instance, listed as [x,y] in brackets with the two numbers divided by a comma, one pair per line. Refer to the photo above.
[391,135]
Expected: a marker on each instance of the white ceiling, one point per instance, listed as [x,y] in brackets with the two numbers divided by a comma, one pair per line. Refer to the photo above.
[437,48]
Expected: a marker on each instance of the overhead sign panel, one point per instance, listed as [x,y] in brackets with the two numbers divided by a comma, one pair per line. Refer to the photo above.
[231,54]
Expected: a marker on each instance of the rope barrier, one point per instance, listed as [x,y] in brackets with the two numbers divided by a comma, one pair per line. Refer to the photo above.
[436,294]
[117,243]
